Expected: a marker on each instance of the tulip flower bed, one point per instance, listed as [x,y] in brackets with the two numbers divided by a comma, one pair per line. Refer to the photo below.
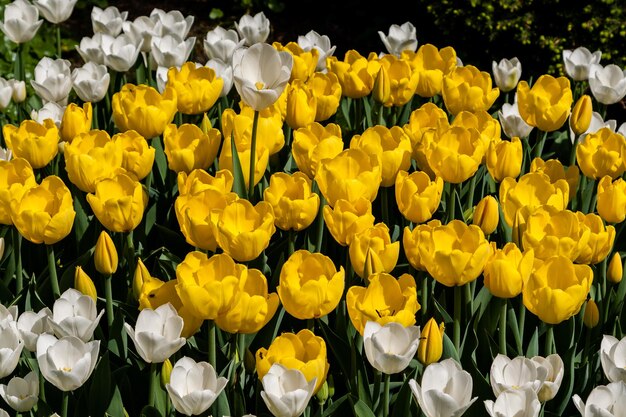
[281,231]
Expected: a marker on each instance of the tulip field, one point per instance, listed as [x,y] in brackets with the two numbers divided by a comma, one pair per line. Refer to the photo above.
[235,226]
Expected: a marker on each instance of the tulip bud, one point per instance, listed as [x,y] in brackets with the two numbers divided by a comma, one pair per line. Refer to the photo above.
[166,372]
[580,119]
[84,284]
[105,256]
[616,269]
[382,86]
[19,90]
[430,348]
[205,125]
[486,215]
[141,275]
[322,394]
[592,314]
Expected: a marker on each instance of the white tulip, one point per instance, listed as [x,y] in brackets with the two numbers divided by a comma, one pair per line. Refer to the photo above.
[171,23]
[608,84]
[597,123]
[50,110]
[141,29]
[5,155]
[31,325]
[512,122]
[320,42]
[21,393]
[68,362]
[75,314]
[519,372]
[506,73]
[11,345]
[554,376]
[446,389]
[161,78]
[21,21]
[578,61]
[4,413]
[193,386]
[391,347]
[91,81]
[613,358]
[603,401]
[55,11]
[622,129]
[53,80]
[400,38]
[121,54]
[253,29]
[261,74]
[6,93]
[109,20]
[514,403]
[170,51]
[92,49]
[286,392]
[19,90]
[8,315]
[157,333]
[223,71]
[220,43]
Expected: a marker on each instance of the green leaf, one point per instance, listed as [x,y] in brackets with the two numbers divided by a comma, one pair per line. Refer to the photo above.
[362,410]
[149,411]
[100,389]
[533,345]
[402,403]
[449,351]
[159,158]
[239,184]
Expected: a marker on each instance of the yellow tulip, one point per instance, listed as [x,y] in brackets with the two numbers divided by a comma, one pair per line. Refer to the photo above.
[144,109]
[488,127]
[413,240]
[615,270]
[602,153]
[402,80]
[580,119]
[346,219]
[372,251]
[504,159]
[75,120]
[301,104]
[45,213]
[592,314]
[600,242]
[455,253]
[430,347]
[309,285]
[417,196]
[554,169]
[556,289]
[356,74]
[427,116]
[197,89]
[200,180]
[166,373]
[295,205]
[304,62]
[547,104]
[261,158]
[327,91]
[35,142]
[105,255]
[84,284]
[507,270]
[303,351]
[382,87]
[119,203]
[468,88]
[313,143]
[244,230]
[384,300]
[269,133]
[140,277]
[431,64]
[16,177]
[138,156]
[486,215]
[188,148]
[612,199]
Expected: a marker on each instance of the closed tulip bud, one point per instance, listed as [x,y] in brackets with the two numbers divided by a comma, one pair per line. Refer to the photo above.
[35,142]
[506,73]
[19,90]
[486,215]
[507,270]
[580,119]
[402,80]
[430,347]
[372,251]
[612,199]
[137,155]
[5,93]
[504,159]
[16,176]
[187,147]
[323,394]
[382,86]
[547,104]
[616,269]
[105,256]
[417,196]
[75,120]
[197,89]
[301,105]
[140,277]
[602,153]
[84,284]
[327,91]
[166,372]
[355,73]
[592,314]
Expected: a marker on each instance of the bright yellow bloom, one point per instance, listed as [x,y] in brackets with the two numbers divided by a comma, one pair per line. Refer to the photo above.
[105,255]
[144,109]
[269,129]
[45,213]
[119,203]
[140,277]
[327,91]
[301,104]
[580,119]
[430,347]
[417,196]
[504,159]
[600,242]
[310,286]
[402,79]
[615,270]
[304,62]
[138,156]
[355,73]
[37,143]
[602,153]
[382,87]
[16,176]
[486,215]
[197,89]
[413,240]
[372,251]
[346,219]
[507,270]
[556,289]
[554,169]
[295,205]
[592,314]
[468,88]
[188,148]
[431,64]
[244,153]
[428,116]
[612,199]
[84,283]
[199,180]
[547,104]
[385,299]
[75,120]
[313,143]
[166,372]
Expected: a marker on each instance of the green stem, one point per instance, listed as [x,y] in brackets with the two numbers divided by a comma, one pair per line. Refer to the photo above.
[108,291]
[64,403]
[52,268]
[457,318]
[540,144]
[451,206]
[386,396]
[19,67]
[59,52]
[130,251]
[424,295]
[154,384]
[17,245]
[385,204]
[255,123]
[376,392]
[521,322]
[291,242]
[469,203]
[549,340]
[572,155]
[503,313]
[211,344]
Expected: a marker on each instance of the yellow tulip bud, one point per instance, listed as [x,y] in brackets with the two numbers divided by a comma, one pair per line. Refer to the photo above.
[504,159]
[612,199]
[166,372]
[84,284]
[105,256]
[430,347]
[373,250]
[580,119]
[431,64]
[507,270]
[616,269]
[401,78]
[301,105]
[197,89]
[382,87]
[75,120]
[486,215]
[547,104]
[322,394]
[138,156]
[592,314]
[327,91]
[140,277]
[16,176]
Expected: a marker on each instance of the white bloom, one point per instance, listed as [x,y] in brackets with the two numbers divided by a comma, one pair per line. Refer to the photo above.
[55,11]
[21,21]
[221,43]
[253,29]
[613,358]
[512,122]
[11,345]
[608,84]
[597,123]
[170,51]
[223,71]
[514,403]
[391,347]
[578,61]
[320,42]
[400,38]
[161,78]
[8,315]
[92,49]
[506,73]
[519,372]
[622,129]
[193,386]
[68,362]
[261,74]
[157,333]
[50,110]
[21,393]
[141,29]
[19,90]
[603,401]
[121,54]
[286,392]
[108,21]
[5,155]
[171,23]
[31,325]
[446,389]
[53,81]
[75,314]
[554,375]
[4,413]
[91,81]
[6,93]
